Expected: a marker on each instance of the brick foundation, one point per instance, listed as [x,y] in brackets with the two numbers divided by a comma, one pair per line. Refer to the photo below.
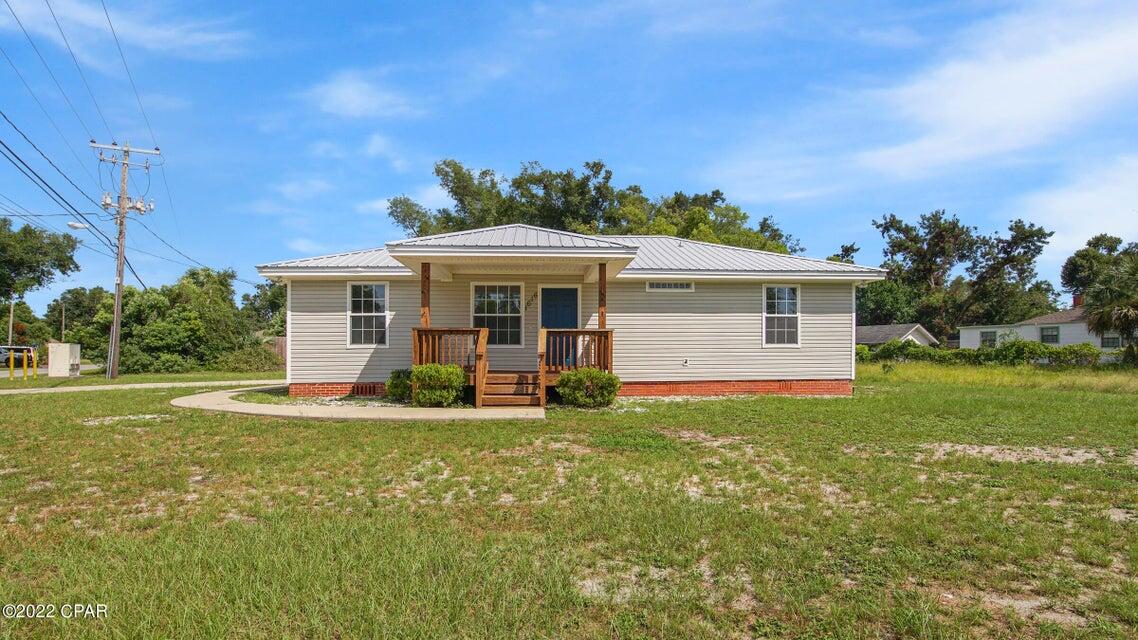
[327,389]
[732,387]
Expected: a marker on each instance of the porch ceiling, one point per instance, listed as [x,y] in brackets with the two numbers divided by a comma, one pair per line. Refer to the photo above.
[443,267]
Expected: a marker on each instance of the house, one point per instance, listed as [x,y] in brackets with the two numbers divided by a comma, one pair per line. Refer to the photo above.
[1060,328]
[875,334]
[516,305]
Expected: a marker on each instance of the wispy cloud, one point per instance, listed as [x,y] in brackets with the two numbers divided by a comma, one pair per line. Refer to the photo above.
[380,146]
[302,188]
[355,94]
[1100,198]
[142,27]
[1019,81]
[431,196]
[659,18]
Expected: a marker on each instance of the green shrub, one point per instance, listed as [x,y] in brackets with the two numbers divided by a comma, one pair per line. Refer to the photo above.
[1020,352]
[248,359]
[172,363]
[862,353]
[588,387]
[892,350]
[907,350]
[399,385]
[1076,355]
[134,360]
[437,385]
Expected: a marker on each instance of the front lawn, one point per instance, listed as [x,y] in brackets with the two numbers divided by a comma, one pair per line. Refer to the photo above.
[100,379]
[935,503]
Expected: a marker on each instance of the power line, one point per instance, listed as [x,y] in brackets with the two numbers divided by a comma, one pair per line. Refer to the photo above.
[47,114]
[184,255]
[78,67]
[49,71]
[49,161]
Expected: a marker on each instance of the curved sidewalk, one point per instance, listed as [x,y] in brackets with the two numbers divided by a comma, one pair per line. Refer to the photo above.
[223,401]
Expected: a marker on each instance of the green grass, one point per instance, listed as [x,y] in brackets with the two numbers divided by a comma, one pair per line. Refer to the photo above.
[865,517]
[93,379]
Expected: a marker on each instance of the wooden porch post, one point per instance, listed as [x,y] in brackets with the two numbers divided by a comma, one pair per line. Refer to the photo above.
[602,296]
[425,295]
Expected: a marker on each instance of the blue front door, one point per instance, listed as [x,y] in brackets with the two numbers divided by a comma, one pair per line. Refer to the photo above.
[559,311]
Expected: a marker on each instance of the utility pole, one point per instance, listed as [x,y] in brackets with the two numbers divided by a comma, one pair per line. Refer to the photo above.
[124,205]
[62,319]
[11,316]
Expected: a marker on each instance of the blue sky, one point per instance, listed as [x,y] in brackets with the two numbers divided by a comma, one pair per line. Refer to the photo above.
[285,128]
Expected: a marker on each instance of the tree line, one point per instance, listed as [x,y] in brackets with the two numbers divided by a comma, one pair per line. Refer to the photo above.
[942,272]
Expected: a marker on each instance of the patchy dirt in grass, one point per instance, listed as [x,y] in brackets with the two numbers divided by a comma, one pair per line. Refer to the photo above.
[1062,455]
[142,417]
[619,582]
[1031,607]
[1120,515]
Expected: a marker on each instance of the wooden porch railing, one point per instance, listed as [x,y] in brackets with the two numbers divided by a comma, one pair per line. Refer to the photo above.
[566,349]
[462,346]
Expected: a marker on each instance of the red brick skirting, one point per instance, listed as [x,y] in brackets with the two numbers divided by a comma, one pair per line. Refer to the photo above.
[728,387]
[308,389]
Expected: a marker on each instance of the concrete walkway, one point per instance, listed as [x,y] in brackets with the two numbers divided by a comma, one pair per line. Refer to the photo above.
[138,385]
[223,401]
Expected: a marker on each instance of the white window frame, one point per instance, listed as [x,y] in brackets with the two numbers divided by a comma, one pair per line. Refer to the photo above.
[797,315]
[386,314]
[522,300]
[1058,333]
[648,286]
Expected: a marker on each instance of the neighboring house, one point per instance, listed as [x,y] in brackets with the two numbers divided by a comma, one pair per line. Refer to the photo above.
[876,334]
[1058,329]
[515,305]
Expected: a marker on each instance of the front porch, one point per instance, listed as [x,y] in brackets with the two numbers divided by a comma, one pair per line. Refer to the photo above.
[557,349]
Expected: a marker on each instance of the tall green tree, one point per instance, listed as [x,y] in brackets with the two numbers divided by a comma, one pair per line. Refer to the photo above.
[265,307]
[584,202]
[1112,302]
[80,305]
[1084,267]
[31,258]
[958,276]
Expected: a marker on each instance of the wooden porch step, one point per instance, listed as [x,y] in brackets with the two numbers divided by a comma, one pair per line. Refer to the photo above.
[511,377]
[510,401]
[511,389]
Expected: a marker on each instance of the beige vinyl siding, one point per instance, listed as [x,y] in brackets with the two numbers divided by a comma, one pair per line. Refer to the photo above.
[717,327]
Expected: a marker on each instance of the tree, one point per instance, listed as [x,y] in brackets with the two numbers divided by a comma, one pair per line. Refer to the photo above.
[265,307]
[1112,302]
[27,329]
[1084,267]
[957,276]
[886,302]
[80,305]
[845,254]
[31,258]
[582,202]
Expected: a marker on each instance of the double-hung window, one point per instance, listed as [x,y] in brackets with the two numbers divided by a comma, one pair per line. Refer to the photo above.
[367,314]
[987,338]
[1049,335]
[780,325]
[1111,342]
[498,307]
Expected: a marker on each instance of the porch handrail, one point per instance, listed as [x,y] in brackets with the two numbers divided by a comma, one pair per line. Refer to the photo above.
[568,349]
[462,346]
[541,343]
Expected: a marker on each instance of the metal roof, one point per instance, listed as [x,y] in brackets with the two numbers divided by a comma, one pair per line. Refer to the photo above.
[365,258]
[652,254]
[665,253]
[512,236]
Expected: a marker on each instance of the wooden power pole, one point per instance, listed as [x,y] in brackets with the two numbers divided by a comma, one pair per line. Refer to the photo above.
[125,204]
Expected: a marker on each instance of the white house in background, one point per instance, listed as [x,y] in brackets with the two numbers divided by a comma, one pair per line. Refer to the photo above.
[1058,329]
[516,305]
[872,335]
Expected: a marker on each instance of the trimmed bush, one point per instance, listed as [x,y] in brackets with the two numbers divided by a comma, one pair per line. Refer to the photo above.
[588,387]
[248,359]
[437,385]
[399,385]
[862,353]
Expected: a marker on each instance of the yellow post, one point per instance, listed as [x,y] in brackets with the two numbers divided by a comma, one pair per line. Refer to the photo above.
[24,360]
[35,365]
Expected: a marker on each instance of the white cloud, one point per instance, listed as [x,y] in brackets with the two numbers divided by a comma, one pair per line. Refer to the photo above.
[895,36]
[1014,83]
[352,94]
[380,146]
[327,149]
[1102,199]
[142,27]
[378,205]
[303,188]
[658,18]
[306,245]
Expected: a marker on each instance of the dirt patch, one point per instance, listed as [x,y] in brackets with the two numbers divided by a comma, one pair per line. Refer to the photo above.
[1120,515]
[142,417]
[1031,607]
[1062,455]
